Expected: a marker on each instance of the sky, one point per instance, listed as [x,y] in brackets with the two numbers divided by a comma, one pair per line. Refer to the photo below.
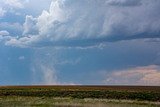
[80,42]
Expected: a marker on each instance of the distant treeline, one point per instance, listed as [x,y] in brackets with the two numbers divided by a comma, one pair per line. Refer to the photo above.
[76,93]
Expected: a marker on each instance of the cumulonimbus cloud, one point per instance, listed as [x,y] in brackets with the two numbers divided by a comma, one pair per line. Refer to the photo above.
[88,22]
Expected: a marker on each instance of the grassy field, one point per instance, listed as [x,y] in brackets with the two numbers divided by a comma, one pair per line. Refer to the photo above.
[79,96]
[139,93]
[15,101]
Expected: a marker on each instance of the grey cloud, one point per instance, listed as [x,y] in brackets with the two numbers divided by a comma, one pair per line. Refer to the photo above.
[124,2]
[4,33]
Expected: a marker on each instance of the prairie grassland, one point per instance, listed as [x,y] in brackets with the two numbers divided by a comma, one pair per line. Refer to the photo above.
[78,95]
[19,101]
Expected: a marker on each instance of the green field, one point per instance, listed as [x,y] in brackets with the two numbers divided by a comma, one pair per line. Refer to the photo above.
[15,101]
[26,94]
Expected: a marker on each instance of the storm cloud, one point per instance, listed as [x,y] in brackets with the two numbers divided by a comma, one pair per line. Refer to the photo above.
[90,22]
